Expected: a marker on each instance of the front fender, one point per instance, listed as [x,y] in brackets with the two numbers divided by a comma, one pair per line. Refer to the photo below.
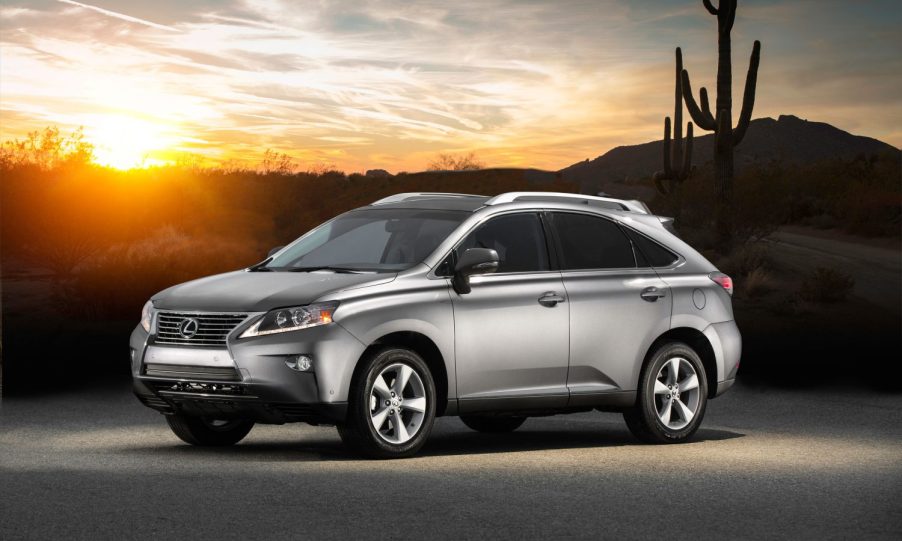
[426,310]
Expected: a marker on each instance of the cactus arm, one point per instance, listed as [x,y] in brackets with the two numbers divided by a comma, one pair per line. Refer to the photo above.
[706,108]
[687,157]
[667,173]
[710,7]
[698,117]
[748,97]
[677,155]
[668,167]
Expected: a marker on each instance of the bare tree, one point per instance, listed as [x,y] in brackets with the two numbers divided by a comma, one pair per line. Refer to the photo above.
[277,163]
[452,162]
[47,149]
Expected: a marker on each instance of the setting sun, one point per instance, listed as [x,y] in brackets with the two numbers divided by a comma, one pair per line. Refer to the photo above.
[126,142]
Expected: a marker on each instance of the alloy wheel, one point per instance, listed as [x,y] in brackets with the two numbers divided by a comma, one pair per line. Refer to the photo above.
[397,403]
[676,393]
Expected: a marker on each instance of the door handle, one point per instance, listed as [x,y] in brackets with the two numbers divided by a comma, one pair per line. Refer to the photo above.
[550,299]
[651,294]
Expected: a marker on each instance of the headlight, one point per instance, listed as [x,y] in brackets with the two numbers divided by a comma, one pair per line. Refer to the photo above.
[292,319]
[147,315]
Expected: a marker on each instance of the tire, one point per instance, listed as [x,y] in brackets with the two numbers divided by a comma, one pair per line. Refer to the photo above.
[378,399]
[651,420]
[209,432]
[490,424]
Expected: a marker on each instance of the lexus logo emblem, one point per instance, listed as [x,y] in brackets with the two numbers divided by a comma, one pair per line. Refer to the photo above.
[188,327]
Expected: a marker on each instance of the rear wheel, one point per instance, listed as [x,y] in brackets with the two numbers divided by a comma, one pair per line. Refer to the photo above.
[391,406]
[209,432]
[673,394]
[484,423]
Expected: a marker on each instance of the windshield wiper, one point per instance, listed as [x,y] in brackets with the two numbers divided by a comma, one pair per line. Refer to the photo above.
[261,266]
[344,270]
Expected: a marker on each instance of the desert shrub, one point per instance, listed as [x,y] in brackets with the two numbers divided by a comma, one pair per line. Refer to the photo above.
[826,285]
[61,258]
[745,259]
[872,211]
[821,221]
[757,283]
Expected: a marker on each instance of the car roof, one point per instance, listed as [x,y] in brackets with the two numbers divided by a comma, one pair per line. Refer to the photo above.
[468,203]
[471,203]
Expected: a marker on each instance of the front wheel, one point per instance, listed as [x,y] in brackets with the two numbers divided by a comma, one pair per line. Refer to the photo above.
[673,393]
[209,432]
[391,405]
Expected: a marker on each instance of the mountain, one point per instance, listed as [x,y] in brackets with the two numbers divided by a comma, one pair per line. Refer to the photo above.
[788,140]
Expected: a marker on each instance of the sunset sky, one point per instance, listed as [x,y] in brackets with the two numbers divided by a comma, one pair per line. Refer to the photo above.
[391,83]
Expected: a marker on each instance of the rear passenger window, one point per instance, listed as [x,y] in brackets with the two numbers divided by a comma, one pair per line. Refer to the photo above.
[588,242]
[648,252]
[518,239]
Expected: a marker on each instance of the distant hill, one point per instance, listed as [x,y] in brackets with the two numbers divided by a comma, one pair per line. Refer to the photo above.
[789,140]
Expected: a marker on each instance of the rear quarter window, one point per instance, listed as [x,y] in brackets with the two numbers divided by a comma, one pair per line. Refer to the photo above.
[648,252]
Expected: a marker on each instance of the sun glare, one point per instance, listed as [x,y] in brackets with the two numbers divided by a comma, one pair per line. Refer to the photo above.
[125,142]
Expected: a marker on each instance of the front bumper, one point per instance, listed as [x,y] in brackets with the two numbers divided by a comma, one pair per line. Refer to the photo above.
[249,378]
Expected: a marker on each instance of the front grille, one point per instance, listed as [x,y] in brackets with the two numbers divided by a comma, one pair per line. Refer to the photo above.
[212,329]
[209,373]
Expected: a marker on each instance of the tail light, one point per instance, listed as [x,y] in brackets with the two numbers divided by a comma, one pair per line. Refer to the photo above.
[723,281]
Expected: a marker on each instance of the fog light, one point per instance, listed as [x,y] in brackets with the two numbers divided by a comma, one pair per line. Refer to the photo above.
[301,363]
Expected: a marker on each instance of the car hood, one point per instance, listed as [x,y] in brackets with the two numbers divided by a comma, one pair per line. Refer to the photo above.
[243,291]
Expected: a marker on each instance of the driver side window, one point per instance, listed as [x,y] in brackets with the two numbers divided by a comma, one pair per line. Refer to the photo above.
[518,238]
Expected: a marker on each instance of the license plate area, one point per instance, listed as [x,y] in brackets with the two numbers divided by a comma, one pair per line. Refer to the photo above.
[188,357]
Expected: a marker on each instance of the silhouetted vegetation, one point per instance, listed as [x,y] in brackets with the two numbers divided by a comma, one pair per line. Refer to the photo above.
[111,238]
[84,246]
[452,162]
[861,196]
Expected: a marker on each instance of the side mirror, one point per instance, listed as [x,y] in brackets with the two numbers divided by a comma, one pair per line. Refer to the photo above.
[273,251]
[473,262]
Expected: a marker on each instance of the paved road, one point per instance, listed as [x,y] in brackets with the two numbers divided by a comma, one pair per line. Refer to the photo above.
[790,464]
[877,270]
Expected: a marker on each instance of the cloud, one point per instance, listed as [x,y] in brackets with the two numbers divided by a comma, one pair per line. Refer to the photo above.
[541,83]
[117,15]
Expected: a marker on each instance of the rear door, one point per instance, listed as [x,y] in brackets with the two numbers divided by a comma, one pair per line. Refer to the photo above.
[617,307]
[511,339]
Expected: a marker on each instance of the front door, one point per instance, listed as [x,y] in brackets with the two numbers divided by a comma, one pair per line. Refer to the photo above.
[512,329]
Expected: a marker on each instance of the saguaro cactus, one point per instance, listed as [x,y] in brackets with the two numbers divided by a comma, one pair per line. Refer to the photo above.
[677,164]
[721,122]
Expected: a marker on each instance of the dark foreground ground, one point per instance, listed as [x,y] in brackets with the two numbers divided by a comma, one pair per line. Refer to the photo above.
[813,464]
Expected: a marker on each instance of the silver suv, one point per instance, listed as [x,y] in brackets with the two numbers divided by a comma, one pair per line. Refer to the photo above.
[420,305]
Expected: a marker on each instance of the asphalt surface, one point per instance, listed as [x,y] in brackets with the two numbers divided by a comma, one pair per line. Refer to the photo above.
[814,464]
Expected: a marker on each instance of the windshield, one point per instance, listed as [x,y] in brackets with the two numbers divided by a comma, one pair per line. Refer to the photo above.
[371,240]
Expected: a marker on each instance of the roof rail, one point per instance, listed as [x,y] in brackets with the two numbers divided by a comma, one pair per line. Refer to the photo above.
[561,197]
[398,197]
